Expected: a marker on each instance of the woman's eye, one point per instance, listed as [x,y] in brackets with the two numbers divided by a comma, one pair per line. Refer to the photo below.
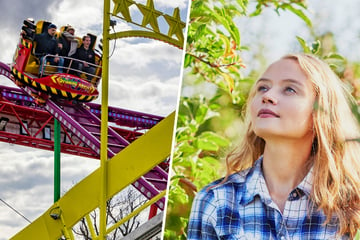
[290,90]
[262,88]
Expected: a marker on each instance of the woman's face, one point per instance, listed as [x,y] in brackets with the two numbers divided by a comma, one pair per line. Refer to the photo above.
[283,103]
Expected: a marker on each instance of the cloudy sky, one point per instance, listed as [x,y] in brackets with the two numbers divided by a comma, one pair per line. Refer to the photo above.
[144,76]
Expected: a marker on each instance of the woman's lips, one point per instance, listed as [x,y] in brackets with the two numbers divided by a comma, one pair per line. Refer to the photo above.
[267,113]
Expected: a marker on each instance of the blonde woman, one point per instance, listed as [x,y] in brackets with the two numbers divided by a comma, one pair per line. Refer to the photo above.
[296,174]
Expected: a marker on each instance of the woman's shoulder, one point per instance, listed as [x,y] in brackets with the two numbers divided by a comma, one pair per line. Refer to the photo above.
[233,184]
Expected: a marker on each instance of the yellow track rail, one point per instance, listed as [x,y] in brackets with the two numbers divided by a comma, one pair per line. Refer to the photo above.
[123,169]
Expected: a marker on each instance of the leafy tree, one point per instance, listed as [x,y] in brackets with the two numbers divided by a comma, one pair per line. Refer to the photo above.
[214,93]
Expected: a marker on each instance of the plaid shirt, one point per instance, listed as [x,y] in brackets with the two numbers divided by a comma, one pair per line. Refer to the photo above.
[241,208]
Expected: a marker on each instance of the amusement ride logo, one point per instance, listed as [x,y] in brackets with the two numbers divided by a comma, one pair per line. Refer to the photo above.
[73,83]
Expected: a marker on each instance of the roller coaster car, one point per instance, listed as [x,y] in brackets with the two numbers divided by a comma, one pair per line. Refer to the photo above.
[72,84]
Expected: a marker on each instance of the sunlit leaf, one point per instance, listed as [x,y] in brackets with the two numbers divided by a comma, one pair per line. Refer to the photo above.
[335,56]
[257,11]
[199,32]
[299,13]
[235,33]
[216,138]
[206,144]
[211,160]
[315,47]
[229,81]
[243,5]
[303,44]
[226,41]
[186,148]
[188,60]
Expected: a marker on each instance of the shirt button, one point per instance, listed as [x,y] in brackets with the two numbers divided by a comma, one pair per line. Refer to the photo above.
[294,194]
[282,238]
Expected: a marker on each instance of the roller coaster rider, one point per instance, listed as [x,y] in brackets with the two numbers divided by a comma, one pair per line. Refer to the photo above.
[86,57]
[46,44]
[67,44]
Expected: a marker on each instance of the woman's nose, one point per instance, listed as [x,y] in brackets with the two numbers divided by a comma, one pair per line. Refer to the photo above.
[268,97]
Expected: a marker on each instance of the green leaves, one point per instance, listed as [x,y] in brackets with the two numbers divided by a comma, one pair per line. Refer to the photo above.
[297,12]
[288,5]
[210,141]
[195,160]
[357,237]
[355,108]
[213,45]
[314,48]
[336,62]
[223,18]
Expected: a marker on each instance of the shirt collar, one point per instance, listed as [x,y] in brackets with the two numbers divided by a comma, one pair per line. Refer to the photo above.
[255,184]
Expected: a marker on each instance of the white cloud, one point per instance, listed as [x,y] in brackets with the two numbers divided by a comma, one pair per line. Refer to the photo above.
[80,13]
[8,42]
[152,90]
[26,183]
[143,53]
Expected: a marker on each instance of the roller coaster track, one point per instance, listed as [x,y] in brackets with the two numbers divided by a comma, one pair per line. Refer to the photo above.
[142,163]
[124,168]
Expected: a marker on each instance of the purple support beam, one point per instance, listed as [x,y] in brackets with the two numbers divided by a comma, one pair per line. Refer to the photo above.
[73,126]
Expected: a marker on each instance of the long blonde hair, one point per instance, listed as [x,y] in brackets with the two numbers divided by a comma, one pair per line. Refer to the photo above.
[336,164]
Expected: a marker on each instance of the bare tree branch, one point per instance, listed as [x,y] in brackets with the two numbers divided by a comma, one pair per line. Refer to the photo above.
[117,208]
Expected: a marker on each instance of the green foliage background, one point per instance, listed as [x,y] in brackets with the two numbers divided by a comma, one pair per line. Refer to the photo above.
[210,123]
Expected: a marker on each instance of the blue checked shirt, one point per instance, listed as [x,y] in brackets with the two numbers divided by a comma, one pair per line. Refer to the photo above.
[241,208]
